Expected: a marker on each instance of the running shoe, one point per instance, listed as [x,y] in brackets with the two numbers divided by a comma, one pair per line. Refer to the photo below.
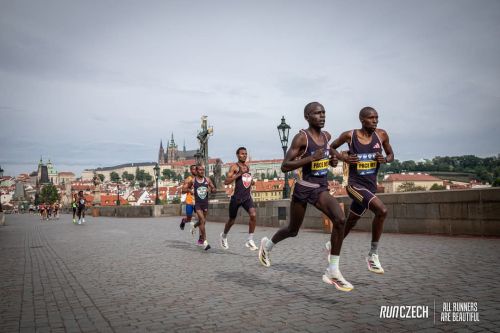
[263,253]
[183,223]
[83,220]
[250,244]
[200,242]
[223,242]
[374,264]
[79,221]
[206,246]
[74,221]
[335,278]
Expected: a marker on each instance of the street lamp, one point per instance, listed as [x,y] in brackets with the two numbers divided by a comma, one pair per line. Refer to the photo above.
[117,194]
[157,175]
[283,130]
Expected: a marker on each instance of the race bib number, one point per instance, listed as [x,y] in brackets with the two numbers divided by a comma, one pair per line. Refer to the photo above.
[320,168]
[202,192]
[366,165]
[246,178]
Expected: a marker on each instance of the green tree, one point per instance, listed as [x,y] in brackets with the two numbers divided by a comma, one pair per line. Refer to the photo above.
[409,187]
[437,187]
[168,174]
[142,184]
[496,183]
[142,176]
[127,176]
[114,177]
[176,200]
[49,194]
[101,177]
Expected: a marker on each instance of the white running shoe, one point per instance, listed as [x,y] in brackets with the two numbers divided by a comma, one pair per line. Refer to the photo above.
[263,253]
[206,246]
[79,221]
[335,278]
[83,220]
[374,264]
[251,244]
[223,242]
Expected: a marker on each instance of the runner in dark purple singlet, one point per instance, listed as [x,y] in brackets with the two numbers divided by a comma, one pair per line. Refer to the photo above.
[310,151]
[240,175]
[364,158]
[202,186]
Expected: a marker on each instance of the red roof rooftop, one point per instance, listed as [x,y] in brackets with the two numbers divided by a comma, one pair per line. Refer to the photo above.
[406,177]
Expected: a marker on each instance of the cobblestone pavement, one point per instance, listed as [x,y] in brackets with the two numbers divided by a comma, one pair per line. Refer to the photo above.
[144,274]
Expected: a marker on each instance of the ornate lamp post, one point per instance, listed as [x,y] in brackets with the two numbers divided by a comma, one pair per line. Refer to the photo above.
[283,130]
[157,176]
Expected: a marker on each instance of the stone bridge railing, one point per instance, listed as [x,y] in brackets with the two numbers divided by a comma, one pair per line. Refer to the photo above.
[464,212]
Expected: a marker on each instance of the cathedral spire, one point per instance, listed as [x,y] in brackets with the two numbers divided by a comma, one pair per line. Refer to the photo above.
[161,154]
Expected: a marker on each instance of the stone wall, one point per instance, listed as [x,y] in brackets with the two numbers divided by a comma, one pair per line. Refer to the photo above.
[136,211]
[465,212]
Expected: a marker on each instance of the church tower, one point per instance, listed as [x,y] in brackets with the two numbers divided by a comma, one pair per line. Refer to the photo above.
[172,153]
[161,154]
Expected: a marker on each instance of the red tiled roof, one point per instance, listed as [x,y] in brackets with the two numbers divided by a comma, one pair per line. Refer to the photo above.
[270,185]
[110,200]
[190,162]
[276,161]
[399,177]
[66,173]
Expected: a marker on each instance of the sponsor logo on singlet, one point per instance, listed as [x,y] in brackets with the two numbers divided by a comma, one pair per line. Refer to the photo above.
[367,164]
[246,179]
[202,192]
[320,168]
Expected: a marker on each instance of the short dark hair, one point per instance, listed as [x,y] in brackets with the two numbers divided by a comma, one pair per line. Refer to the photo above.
[365,111]
[309,106]
[199,165]
[238,150]
[193,166]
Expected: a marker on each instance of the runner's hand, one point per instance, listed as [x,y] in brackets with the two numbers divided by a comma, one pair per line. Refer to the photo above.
[380,158]
[352,158]
[318,154]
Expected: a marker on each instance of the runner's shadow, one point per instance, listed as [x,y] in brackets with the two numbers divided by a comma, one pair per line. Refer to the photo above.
[296,268]
[252,282]
[183,245]
[300,269]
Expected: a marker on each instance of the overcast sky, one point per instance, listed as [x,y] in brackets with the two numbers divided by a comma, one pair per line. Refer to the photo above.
[100,83]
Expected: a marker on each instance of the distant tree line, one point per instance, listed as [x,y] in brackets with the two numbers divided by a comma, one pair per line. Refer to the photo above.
[484,169]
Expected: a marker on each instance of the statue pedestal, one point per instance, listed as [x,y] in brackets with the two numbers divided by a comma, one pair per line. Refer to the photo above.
[97,198]
[220,195]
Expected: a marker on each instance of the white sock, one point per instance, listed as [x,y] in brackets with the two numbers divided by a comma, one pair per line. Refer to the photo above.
[224,235]
[250,236]
[269,245]
[334,263]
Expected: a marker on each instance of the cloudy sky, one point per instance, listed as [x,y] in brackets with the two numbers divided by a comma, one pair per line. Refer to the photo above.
[99,83]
